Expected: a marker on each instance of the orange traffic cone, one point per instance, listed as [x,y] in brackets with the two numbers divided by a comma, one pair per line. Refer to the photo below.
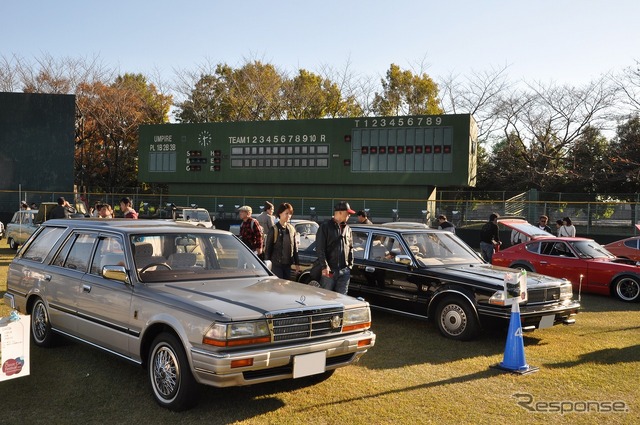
[514,359]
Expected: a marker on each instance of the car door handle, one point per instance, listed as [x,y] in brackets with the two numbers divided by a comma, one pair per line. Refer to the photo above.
[369,269]
[544,262]
[86,288]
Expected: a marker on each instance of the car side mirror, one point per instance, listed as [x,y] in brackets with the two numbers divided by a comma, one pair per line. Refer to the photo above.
[118,273]
[403,259]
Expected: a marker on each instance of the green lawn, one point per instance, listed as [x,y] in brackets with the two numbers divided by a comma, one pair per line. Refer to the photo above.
[412,376]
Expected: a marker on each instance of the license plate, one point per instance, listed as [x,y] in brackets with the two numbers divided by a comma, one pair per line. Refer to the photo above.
[547,321]
[309,364]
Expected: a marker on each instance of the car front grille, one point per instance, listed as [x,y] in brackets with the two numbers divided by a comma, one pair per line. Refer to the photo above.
[547,295]
[304,324]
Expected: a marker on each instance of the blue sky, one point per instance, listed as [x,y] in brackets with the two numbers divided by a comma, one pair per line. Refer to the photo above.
[562,41]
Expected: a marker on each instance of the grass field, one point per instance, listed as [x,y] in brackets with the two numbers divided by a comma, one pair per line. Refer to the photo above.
[412,376]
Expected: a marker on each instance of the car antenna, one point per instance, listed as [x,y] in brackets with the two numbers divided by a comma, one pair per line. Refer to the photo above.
[580,288]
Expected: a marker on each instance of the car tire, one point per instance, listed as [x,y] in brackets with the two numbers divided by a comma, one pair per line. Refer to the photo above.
[172,382]
[627,288]
[456,319]
[12,244]
[41,332]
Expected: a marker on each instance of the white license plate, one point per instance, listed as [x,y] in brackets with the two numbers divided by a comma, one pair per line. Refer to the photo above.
[309,364]
[547,321]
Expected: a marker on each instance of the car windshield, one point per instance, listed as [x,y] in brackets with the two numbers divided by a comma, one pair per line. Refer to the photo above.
[199,216]
[193,256]
[439,248]
[590,249]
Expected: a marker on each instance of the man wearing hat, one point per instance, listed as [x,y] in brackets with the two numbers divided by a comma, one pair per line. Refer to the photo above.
[334,246]
[250,230]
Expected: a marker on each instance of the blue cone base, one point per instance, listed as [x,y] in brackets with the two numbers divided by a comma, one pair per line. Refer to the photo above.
[523,371]
[514,359]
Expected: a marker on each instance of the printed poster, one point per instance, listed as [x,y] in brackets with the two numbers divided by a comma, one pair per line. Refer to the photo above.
[14,346]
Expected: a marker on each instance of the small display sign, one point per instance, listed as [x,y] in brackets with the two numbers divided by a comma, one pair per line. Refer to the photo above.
[14,346]
[515,287]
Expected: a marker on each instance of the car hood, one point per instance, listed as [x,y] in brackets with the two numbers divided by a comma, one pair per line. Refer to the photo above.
[244,299]
[526,228]
[490,275]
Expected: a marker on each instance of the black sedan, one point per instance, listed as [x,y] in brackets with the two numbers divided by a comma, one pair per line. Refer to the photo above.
[433,274]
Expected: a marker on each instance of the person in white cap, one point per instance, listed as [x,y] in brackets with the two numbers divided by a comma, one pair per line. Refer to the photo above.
[334,246]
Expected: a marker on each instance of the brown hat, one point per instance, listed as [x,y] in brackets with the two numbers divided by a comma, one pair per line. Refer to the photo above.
[344,206]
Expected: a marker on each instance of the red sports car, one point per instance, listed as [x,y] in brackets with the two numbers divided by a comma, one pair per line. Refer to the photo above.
[626,248]
[587,264]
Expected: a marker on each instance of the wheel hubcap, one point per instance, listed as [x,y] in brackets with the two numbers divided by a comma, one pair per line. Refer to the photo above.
[453,319]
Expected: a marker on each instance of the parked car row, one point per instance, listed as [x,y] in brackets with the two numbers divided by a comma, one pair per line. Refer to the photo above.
[195,306]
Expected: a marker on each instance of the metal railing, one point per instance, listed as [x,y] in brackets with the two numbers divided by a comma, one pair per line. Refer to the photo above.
[616,217]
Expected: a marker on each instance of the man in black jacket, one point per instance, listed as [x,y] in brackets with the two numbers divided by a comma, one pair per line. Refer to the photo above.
[62,210]
[489,238]
[334,246]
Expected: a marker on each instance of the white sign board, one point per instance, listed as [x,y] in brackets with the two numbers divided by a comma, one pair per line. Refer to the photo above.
[14,347]
[515,287]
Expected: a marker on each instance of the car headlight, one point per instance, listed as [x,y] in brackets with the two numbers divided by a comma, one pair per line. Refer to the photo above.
[566,290]
[356,318]
[234,334]
[498,298]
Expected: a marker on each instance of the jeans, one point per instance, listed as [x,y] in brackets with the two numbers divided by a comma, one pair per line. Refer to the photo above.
[283,271]
[487,250]
[339,282]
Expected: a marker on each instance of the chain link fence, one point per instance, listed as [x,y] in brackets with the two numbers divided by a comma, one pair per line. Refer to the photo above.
[464,209]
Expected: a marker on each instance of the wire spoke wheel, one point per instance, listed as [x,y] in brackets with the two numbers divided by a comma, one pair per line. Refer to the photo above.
[165,372]
[40,325]
[171,379]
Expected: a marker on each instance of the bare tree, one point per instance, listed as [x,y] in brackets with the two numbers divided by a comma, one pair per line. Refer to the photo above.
[547,120]
[481,94]
[629,84]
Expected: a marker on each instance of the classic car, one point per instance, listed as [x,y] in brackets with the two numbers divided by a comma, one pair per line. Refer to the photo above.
[404,224]
[433,274]
[588,265]
[21,227]
[195,216]
[305,232]
[191,305]
[626,248]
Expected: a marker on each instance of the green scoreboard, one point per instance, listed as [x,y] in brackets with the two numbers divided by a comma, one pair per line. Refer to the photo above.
[345,157]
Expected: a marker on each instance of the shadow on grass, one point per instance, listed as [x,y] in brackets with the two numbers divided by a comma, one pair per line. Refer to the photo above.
[601,303]
[403,341]
[607,356]
[72,383]
[457,380]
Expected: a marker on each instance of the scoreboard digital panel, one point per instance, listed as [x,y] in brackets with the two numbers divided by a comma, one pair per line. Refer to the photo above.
[433,150]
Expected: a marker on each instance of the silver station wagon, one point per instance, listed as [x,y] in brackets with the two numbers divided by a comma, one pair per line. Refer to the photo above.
[192,305]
